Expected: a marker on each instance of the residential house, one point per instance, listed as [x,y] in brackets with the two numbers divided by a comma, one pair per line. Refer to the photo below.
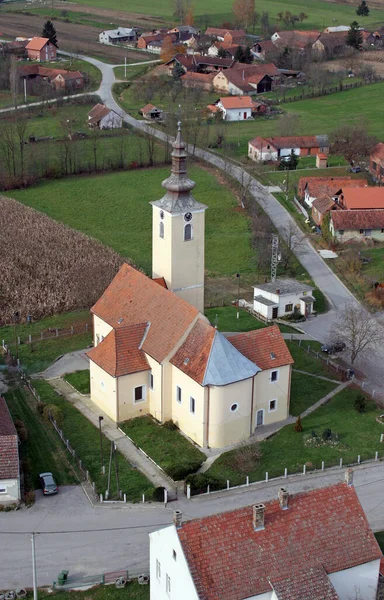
[120,35]
[9,458]
[156,353]
[376,163]
[68,81]
[313,544]
[102,117]
[274,148]
[337,29]
[229,36]
[240,82]
[261,50]
[185,29]
[311,188]
[297,39]
[187,35]
[236,108]
[199,63]
[280,297]
[329,45]
[366,198]
[61,79]
[151,112]
[347,225]
[153,41]
[41,49]
[230,49]
[16,48]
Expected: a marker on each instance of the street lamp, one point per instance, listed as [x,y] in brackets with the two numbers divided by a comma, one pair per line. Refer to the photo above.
[101,445]
[238,294]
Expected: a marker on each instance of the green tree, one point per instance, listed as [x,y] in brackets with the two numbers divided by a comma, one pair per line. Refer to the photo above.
[222,53]
[49,32]
[239,54]
[247,57]
[354,36]
[303,16]
[362,10]
[177,71]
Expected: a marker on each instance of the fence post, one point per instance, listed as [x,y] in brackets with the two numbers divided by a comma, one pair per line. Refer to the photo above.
[376,455]
[247,480]
[266,476]
[87,475]
[86,327]
[101,498]
[285,472]
[227,484]
[165,498]
[322,465]
[143,498]
[382,437]
[30,338]
[358,459]
[341,462]
[57,333]
[42,335]
[208,488]
[125,498]
[188,491]
[304,469]
[71,329]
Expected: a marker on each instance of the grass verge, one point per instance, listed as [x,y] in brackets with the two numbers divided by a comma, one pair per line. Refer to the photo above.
[132,591]
[80,380]
[306,391]
[225,318]
[84,438]
[167,447]
[359,433]
[42,450]
[307,362]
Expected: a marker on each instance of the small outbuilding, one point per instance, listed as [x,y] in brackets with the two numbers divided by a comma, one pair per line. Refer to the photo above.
[118,36]
[102,117]
[9,458]
[281,297]
[151,112]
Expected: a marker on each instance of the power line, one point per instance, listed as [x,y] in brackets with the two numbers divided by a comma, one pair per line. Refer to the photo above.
[82,530]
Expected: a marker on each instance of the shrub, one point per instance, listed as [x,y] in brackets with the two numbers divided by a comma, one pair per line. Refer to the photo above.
[326,435]
[30,497]
[246,458]
[158,494]
[40,407]
[360,403]
[180,470]
[298,425]
[170,425]
[50,410]
[21,429]
[200,481]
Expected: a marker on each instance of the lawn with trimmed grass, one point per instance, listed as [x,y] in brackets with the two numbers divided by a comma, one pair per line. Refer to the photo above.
[132,591]
[84,438]
[359,434]
[43,449]
[133,71]
[308,362]
[225,318]
[306,391]
[115,209]
[80,380]
[167,447]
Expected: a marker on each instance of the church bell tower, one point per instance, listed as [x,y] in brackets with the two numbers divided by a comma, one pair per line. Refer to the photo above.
[178,228]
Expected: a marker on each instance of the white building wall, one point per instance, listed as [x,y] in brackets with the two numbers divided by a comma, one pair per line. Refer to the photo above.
[100,330]
[161,546]
[103,38]
[12,491]
[111,121]
[280,300]
[357,582]
[288,151]
[236,114]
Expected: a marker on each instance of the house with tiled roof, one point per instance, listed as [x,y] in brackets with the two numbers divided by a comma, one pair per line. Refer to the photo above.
[274,148]
[41,49]
[357,225]
[9,457]
[281,297]
[102,117]
[314,545]
[156,353]
[376,163]
[297,39]
[230,36]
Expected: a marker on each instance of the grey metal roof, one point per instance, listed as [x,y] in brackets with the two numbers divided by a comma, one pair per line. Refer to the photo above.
[285,286]
[308,299]
[323,140]
[226,364]
[120,32]
[265,301]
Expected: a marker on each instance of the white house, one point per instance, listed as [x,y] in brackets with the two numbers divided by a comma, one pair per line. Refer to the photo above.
[118,36]
[9,458]
[315,544]
[236,108]
[274,148]
[102,117]
[280,297]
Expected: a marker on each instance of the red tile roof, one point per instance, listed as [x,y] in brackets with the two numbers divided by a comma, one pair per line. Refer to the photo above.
[9,453]
[192,357]
[237,102]
[357,219]
[366,198]
[120,351]
[378,152]
[98,112]
[258,69]
[322,529]
[323,204]
[258,345]
[313,583]
[235,33]
[327,186]
[133,298]
[161,281]
[37,43]
[203,77]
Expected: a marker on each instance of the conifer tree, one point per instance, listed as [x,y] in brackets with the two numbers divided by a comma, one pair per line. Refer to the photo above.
[362,10]
[49,32]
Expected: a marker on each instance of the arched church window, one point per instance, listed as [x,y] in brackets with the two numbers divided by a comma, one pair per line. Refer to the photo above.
[161,229]
[187,232]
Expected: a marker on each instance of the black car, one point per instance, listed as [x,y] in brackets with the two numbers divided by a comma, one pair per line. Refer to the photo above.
[355,169]
[333,348]
[48,484]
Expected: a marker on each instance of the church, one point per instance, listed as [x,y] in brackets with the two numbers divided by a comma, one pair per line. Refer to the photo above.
[156,353]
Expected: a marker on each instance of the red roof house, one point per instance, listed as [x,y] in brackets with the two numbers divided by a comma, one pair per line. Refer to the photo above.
[311,545]
[9,458]
[376,162]
[40,49]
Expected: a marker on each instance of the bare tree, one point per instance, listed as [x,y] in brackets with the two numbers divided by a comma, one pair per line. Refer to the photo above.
[352,141]
[358,329]
[294,241]
[289,124]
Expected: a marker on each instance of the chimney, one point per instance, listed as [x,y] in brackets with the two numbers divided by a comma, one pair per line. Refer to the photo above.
[349,476]
[283,497]
[177,518]
[258,517]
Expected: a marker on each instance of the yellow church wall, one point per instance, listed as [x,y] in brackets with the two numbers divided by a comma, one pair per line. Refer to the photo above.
[266,390]
[127,407]
[103,390]
[162,247]
[100,329]
[226,426]
[155,395]
[191,424]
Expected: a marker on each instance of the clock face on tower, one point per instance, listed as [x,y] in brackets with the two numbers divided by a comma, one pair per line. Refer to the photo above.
[188,216]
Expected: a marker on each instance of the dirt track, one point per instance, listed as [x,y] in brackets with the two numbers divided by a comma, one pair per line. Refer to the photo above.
[71,37]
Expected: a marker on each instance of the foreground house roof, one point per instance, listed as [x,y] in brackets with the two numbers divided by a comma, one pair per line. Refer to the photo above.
[264,347]
[284,286]
[237,102]
[98,112]
[37,43]
[210,359]
[322,531]
[235,33]
[280,143]
[358,219]
[327,186]
[9,454]
[133,298]
[366,198]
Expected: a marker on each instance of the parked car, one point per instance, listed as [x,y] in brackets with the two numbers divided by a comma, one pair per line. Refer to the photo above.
[48,484]
[333,348]
[354,169]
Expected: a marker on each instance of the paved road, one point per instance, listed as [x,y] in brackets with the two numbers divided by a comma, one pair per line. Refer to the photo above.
[123,541]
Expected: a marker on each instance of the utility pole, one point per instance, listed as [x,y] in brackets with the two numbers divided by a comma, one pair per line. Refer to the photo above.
[125,67]
[275,257]
[101,444]
[238,295]
[34,567]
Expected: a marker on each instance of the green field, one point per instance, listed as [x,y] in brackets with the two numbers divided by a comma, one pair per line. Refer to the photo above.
[225,318]
[115,209]
[84,438]
[215,12]
[133,71]
[80,380]
[306,391]
[43,450]
[307,362]
[359,433]
[167,447]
